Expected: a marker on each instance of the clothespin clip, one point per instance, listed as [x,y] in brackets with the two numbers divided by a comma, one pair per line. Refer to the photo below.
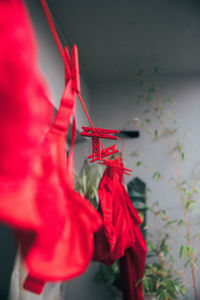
[72,68]
[96,134]
[75,69]
[116,163]
[99,133]
[98,155]
[71,88]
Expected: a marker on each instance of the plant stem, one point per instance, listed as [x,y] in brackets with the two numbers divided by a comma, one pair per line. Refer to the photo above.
[182,197]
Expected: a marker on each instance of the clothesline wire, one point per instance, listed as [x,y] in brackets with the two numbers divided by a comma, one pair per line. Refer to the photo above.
[60,48]
[54,33]
[86,112]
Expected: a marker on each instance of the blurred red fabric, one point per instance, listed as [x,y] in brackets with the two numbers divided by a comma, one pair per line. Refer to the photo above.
[120,237]
[63,247]
[53,223]
[25,115]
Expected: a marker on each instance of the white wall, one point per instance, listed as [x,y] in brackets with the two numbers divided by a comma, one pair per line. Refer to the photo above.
[114,105]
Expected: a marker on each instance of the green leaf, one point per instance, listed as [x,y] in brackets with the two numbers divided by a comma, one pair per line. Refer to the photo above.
[151,246]
[195,190]
[157,176]
[169,100]
[152,89]
[186,263]
[84,183]
[180,223]
[171,222]
[185,250]
[139,98]
[138,163]
[142,82]
[173,260]
[140,72]
[189,203]
[190,250]
[94,189]
[134,154]
[149,98]
[148,121]
[181,251]
[156,69]
[156,134]
[183,156]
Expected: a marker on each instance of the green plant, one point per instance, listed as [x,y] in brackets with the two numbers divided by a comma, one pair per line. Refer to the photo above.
[159,277]
[160,282]
[87,182]
[109,274]
[159,122]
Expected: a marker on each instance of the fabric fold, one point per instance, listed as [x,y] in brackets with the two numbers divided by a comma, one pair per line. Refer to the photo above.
[120,238]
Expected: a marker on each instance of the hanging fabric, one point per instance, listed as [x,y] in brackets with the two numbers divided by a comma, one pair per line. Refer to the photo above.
[53,224]
[120,237]
[25,115]
[61,250]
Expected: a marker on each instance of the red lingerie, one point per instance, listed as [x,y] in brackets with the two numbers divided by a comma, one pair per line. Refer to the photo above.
[53,223]
[120,237]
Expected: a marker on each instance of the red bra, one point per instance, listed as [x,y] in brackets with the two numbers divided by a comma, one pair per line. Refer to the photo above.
[54,224]
[25,115]
[64,244]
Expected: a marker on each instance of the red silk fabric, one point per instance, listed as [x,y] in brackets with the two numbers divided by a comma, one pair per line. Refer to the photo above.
[120,236]
[63,247]
[25,115]
[53,223]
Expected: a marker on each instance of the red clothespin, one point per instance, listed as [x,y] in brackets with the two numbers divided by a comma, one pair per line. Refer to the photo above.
[96,134]
[75,69]
[72,86]
[103,153]
[96,151]
[99,133]
[116,163]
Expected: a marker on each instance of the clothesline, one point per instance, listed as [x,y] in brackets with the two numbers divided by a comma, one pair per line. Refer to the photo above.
[60,48]
[54,33]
